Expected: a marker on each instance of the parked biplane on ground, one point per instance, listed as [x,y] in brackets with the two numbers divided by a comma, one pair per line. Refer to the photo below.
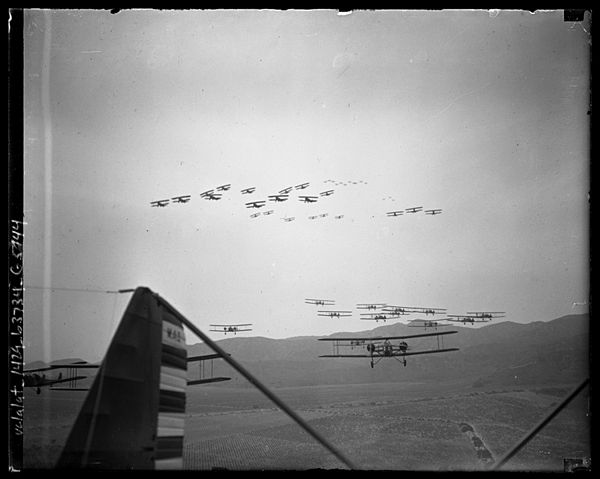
[230,328]
[384,347]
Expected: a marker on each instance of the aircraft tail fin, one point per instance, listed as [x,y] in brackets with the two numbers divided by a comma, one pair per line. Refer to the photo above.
[133,415]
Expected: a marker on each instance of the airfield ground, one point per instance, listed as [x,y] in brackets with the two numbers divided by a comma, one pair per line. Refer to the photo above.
[401,426]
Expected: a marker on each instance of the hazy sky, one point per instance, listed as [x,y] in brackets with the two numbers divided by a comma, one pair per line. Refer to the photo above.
[483,115]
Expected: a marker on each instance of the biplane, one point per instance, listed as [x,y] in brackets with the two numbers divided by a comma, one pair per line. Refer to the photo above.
[425,323]
[427,311]
[268,212]
[301,186]
[288,219]
[433,212]
[399,310]
[254,215]
[211,195]
[159,203]
[379,316]
[487,314]
[181,199]
[32,379]
[370,306]
[335,314]
[307,199]
[256,204]
[204,377]
[324,215]
[339,217]
[230,328]
[415,209]
[319,302]
[326,193]
[279,198]
[247,191]
[285,191]
[313,217]
[380,347]
[395,213]
[466,319]
[224,187]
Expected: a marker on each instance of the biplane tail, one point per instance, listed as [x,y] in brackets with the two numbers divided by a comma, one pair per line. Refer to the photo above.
[133,415]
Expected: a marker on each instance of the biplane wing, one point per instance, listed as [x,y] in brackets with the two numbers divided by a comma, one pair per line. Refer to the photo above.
[133,415]
[383,338]
[407,353]
[203,379]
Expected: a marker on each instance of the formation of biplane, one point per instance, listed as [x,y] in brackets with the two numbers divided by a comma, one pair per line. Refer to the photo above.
[283,195]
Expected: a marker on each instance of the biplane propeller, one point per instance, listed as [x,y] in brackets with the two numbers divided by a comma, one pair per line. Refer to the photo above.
[230,328]
[415,209]
[159,203]
[256,204]
[181,199]
[31,378]
[433,212]
[335,314]
[247,191]
[279,198]
[319,302]
[382,347]
[307,199]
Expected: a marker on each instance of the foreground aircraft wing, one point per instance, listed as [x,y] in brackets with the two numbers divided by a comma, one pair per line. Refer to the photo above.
[133,415]
[408,353]
[383,338]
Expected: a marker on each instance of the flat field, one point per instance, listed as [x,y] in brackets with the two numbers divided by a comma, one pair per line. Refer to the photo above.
[389,426]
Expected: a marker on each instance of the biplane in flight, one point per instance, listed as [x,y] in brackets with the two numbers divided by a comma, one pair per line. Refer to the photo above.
[32,379]
[385,347]
[399,310]
[286,191]
[335,314]
[256,204]
[414,209]
[279,198]
[313,217]
[211,195]
[224,187]
[230,328]
[247,191]
[159,203]
[326,193]
[426,324]
[181,199]
[319,302]
[466,319]
[433,212]
[379,316]
[339,217]
[395,213]
[288,219]
[268,212]
[301,186]
[254,215]
[487,314]
[307,199]
[427,311]
[370,306]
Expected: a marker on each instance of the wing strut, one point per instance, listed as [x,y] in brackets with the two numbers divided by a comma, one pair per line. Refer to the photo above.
[255,382]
